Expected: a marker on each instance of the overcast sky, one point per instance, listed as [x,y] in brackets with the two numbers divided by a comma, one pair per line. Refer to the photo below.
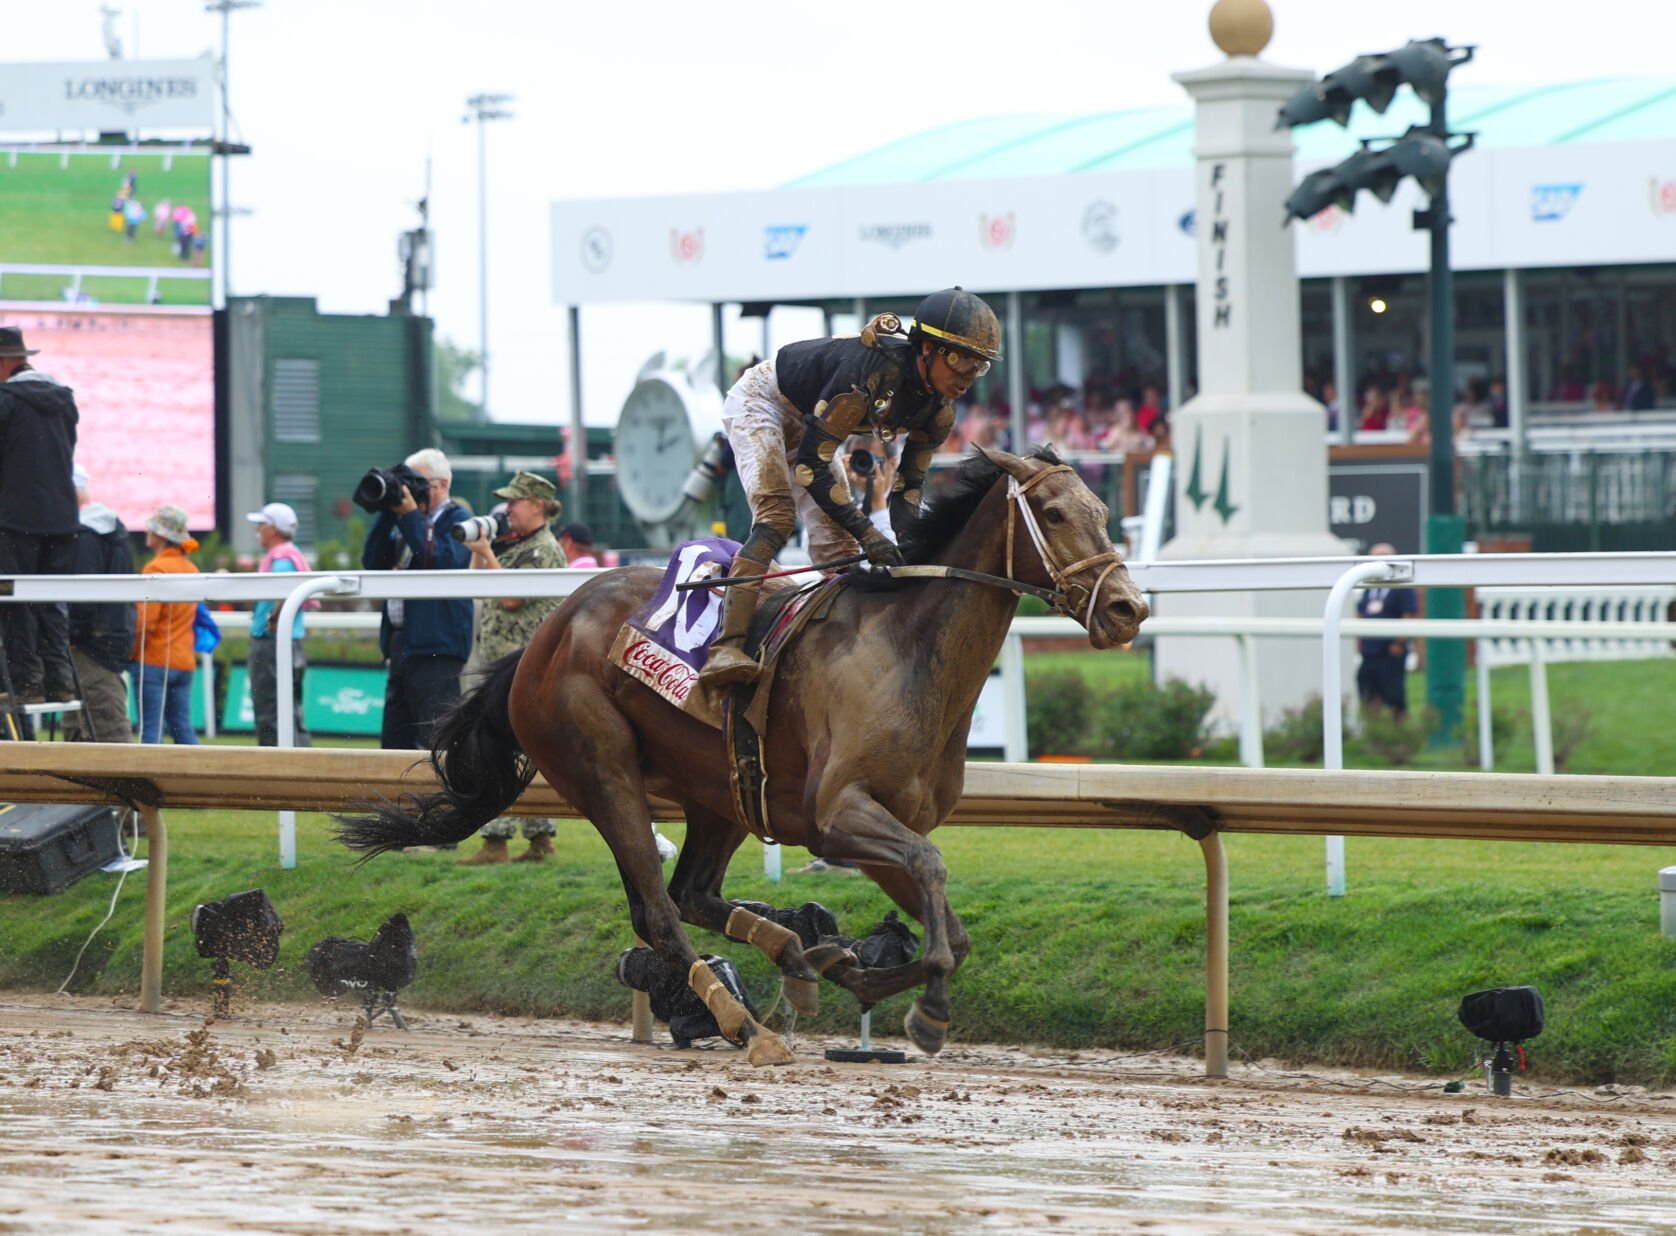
[344,101]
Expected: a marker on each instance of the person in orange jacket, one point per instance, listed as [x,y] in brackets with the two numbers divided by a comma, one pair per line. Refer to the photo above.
[164,656]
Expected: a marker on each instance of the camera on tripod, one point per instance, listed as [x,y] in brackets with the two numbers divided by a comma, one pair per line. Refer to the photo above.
[482,527]
[381,488]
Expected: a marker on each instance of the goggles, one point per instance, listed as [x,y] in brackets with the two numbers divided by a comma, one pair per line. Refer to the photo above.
[963,364]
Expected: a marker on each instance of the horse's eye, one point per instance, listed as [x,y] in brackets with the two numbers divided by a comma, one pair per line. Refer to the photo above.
[1054,515]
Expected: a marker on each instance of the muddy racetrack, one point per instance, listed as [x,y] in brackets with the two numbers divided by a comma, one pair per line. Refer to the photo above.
[293,1119]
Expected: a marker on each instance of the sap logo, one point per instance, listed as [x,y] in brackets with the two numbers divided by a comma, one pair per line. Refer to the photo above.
[1188,223]
[1551,203]
[780,241]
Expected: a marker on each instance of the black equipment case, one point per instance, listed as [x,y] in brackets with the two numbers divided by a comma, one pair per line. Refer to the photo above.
[45,849]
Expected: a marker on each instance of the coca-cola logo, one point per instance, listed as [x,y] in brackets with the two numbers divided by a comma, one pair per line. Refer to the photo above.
[997,231]
[655,667]
[1661,197]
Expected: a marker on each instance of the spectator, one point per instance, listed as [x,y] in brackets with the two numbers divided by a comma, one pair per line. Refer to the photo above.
[1376,409]
[507,623]
[101,634]
[1420,421]
[870,486]
[1498,402]
[276,525]
[163,657]
[1151,411]
[1381,679]
[1638,394]
[426,642]
[1602,398]
[577,542]
[38,518]
[1474,411]
[1329,398]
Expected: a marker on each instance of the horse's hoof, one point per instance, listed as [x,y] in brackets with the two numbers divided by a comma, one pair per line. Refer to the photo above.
[824,956]
[766,1047]
[928,1033]
[804,995]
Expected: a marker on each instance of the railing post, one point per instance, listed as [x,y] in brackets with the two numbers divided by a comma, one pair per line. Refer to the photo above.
[1251,703]
[1332,689]
[1542,726]
[1486,757]
[156,907]
[337,585]
[1216,956]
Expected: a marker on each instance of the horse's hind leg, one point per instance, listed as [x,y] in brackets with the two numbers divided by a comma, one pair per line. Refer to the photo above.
[696,887]
[600,773]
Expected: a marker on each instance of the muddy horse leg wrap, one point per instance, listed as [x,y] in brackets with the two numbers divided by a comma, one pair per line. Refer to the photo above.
[768,936]
[730,1015]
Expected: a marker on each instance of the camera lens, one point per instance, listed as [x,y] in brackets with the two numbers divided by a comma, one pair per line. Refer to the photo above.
[862,463]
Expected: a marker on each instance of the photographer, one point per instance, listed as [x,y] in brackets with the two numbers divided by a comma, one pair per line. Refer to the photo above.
[426,642]
[870,468]
[505,624]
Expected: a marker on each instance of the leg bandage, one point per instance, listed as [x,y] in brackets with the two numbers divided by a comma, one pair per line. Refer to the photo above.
[766,935]
[729,1013]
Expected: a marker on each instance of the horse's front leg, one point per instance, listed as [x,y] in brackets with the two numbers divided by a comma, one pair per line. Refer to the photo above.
[696,888]
[855,826]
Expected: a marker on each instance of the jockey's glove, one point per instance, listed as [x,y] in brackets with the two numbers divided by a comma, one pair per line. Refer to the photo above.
[880,549]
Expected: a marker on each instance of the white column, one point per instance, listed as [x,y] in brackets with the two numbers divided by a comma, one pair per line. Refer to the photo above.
[1250,457]
[1344,362]
[1175,346]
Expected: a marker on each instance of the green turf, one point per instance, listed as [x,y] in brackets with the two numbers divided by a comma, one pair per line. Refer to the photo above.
[55,211]
[1084,938]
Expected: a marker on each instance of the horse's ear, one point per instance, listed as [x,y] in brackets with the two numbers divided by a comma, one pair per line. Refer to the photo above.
[1009,463]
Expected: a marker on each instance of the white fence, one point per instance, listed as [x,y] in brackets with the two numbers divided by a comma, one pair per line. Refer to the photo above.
[1650,604]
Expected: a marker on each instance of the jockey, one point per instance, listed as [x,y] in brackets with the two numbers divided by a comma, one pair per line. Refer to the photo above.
[788,416]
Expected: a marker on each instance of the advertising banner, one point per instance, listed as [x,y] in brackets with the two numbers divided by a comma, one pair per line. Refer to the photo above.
[337,699]
[1560,205]
[93,227]
[107,96]
[145,388]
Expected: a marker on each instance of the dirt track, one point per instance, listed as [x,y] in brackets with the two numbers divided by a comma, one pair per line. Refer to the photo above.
[287,1119]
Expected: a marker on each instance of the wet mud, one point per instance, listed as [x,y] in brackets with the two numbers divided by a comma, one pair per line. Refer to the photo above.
[298,1119]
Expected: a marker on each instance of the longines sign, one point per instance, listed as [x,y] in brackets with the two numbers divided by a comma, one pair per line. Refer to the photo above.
[107,95]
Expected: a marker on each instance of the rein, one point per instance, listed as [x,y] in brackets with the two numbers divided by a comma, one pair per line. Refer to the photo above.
[1063,576]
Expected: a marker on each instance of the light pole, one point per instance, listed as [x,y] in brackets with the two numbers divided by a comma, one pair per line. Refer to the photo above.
[224,146]
[484,108]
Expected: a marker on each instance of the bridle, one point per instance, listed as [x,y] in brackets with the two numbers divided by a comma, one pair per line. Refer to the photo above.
[1064,577]
[1065,596]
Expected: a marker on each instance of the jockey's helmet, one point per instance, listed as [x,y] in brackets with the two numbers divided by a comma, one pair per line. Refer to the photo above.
[955,318]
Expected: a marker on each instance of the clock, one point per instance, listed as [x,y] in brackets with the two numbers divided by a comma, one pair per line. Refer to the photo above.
[666,421]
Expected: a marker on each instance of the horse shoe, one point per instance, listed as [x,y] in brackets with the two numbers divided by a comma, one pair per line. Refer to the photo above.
[928,1033]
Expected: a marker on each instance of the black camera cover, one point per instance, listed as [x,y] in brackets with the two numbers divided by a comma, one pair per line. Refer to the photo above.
[381,488]
[1503,1014]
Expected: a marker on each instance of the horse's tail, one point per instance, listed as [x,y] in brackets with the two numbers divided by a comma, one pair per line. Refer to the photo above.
[479,765]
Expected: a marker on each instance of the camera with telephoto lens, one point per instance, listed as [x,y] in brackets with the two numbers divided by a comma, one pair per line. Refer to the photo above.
[862,463]
[479,527]
[381,488]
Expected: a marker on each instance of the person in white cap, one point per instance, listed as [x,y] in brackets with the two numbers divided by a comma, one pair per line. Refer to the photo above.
[276,525]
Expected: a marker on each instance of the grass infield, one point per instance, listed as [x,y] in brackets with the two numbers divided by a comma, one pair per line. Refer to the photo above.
[1081,938]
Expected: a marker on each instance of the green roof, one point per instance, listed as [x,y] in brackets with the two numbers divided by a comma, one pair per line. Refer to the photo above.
[1047,144]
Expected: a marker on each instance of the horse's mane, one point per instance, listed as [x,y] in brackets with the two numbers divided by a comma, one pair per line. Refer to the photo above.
[950,511]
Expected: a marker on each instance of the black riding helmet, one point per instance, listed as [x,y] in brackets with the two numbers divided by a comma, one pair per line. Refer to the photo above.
[957,319]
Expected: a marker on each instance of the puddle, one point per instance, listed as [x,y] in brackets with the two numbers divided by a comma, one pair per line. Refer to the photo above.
[290,1119]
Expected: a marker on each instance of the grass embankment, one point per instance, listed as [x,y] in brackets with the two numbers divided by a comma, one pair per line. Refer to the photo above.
[1084,939]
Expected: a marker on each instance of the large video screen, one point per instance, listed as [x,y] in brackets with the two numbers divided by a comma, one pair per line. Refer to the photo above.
[145,387]
[104,227]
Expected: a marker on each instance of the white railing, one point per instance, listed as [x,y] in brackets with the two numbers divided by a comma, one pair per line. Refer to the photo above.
[1335,576]
[1615,606]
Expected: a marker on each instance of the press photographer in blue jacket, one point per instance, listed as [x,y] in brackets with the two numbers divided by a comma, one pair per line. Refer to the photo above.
[426,642]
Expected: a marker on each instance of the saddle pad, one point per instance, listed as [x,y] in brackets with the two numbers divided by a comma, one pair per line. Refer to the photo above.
[664,643]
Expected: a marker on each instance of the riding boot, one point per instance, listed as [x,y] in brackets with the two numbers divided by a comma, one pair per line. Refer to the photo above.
[727,663]
[493,851]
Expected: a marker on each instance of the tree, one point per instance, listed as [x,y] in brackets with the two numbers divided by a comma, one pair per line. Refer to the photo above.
[454,367]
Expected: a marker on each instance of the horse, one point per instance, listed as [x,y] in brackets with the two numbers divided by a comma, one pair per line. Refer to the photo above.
[864,750]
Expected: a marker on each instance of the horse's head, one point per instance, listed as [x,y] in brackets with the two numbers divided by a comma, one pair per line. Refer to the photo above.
[1056,514]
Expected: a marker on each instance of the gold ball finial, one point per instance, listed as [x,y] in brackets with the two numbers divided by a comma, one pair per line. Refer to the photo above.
[1241,27]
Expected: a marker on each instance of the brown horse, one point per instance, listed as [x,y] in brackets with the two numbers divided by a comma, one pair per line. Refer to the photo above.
[865,750]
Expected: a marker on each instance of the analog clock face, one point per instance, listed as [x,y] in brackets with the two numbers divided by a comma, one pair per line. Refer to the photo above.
[655,450]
